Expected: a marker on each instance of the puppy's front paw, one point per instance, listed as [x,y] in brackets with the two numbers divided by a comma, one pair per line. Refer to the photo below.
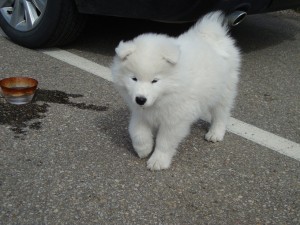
[143,153]
[214,136]
[143,150]
[159,161]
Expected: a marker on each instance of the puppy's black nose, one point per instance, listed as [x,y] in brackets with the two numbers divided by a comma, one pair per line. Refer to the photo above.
[140,100]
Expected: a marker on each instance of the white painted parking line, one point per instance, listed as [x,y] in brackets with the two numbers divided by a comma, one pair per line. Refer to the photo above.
[264,138]
[252,133]
[80,63]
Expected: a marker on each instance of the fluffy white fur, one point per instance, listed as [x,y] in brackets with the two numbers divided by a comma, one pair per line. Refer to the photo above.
[169,83]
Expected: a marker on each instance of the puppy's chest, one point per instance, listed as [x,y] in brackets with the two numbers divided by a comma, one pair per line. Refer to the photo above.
[155,117]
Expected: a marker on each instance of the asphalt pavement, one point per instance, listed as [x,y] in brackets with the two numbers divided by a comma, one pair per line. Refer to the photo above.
[66,158]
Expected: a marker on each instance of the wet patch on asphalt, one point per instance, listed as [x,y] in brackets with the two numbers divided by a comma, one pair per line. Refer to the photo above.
[20,118]
[60,97]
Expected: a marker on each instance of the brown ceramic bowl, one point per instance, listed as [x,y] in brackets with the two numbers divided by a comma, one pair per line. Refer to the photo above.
[18,90]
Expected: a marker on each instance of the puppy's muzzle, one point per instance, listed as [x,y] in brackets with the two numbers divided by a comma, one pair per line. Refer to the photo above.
[141,100]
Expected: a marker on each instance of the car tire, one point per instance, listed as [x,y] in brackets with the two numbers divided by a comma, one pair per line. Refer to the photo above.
[57,23]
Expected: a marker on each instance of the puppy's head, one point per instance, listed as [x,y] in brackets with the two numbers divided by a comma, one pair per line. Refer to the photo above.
[143,67]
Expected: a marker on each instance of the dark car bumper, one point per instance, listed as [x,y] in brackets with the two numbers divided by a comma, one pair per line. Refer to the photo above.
[179,10]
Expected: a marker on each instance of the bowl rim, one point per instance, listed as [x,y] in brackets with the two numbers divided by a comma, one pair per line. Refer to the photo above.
[6,90]
[5,80]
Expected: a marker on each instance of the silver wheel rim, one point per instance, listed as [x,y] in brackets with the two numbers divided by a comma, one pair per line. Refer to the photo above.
[23,15]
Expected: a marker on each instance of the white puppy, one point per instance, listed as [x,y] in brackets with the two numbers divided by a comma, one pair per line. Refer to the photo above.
[169,83]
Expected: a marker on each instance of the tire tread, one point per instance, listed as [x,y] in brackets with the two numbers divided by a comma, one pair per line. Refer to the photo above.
[70,25]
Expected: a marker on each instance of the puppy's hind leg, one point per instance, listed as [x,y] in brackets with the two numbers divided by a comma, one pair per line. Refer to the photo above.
[220,112]
[219,117]
[141,136]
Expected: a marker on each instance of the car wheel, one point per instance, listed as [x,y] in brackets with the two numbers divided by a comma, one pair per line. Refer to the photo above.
[41,23]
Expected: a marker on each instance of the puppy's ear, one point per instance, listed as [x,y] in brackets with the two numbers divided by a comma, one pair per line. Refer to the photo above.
[171,53]
[125,49]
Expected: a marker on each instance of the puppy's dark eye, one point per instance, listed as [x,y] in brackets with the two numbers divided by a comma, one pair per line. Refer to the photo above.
[154,81]
[134,78]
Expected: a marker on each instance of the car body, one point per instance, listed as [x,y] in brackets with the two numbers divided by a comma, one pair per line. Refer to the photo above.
[179,10]
[43,23]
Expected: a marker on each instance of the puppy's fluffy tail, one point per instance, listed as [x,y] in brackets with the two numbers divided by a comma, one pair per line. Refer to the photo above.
[213,25]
